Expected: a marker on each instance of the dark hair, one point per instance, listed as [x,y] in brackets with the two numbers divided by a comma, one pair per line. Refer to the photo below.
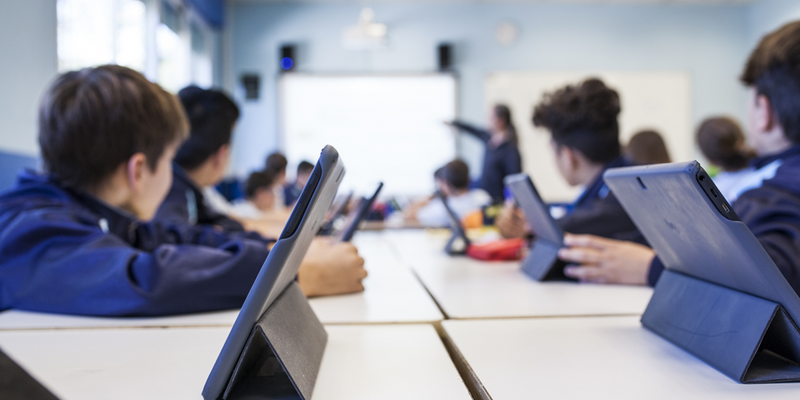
[276,162]
[583,118]
[258,180]
[723,143]
[774,70]
[212,115]
[93,120]
[304,167]
[647,147]
[502,112]
[456,174]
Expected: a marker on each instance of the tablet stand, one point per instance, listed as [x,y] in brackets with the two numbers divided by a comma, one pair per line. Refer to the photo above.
[747,338]
[282,356]
[542,262]
[458,243]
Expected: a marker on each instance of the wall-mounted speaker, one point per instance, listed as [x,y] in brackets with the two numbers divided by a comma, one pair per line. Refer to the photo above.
[287,57]
[445,52]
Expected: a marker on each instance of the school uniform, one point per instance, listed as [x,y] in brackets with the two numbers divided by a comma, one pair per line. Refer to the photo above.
[598,212]
[498,162]
[65,251]
[291,192]
[768,202]
[187,204]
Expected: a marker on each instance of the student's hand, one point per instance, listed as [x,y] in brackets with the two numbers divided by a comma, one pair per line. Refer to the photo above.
[511,222]
[329,269]
[600,260]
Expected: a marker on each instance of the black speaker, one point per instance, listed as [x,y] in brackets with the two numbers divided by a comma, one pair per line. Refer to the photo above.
[287,57]
[445,57]
[251,86]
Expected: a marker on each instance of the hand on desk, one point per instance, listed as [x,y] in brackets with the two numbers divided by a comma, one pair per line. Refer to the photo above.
[331,268]
[600,260]
[511,222]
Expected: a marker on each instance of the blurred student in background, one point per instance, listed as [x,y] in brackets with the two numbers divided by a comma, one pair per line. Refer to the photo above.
[276,162]
[769,204]
[259,195]
[582,120]
[291,192]
[502,153]
[647,147]
[452,181]
[723,143]
[202,160]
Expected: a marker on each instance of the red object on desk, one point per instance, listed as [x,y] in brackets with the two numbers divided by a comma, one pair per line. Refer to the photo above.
[498,250]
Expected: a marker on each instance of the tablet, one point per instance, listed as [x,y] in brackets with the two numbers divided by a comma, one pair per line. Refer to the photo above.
[357,216]
[458,243]
[280,267]
[542,263]
[337,210]
[695,231]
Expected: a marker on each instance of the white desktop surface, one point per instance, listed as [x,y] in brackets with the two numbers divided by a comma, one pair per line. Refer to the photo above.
[592,358]
[360,362]
[467,288]
[392,295]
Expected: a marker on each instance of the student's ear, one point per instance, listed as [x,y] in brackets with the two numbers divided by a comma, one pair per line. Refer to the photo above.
[764,117]
[136,170]
[221,156]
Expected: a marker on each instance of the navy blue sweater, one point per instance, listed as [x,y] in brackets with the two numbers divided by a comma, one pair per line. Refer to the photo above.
[186,205]
[498,162]
[598,212]
[63,251]
[772,212]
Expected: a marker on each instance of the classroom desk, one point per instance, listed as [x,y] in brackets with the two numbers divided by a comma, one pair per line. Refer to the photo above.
[597,357]
[360,362]
[467,288]
[392,295]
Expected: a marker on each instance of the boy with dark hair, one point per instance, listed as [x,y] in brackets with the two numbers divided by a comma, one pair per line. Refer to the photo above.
[276,162]
[452,180]
[770,205]
[291,192]
[75,240]
[201,162]
[582,120]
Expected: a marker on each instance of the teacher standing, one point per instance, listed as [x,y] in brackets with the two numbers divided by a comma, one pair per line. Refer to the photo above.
[502,154]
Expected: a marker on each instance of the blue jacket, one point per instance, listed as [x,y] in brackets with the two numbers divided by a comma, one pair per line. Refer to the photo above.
[498,162]
[598,212]
[186,205]
[63,251]
[772,212]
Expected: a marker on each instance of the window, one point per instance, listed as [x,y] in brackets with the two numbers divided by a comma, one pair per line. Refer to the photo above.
[96,32]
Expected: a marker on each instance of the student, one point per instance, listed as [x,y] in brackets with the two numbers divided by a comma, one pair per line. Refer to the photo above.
[582,120]
[291,192]
[722,142]
[76,240]
[276,162]
[647,147]
[502,155]
[201,162]
[453,181]
[770,208]
[260,195]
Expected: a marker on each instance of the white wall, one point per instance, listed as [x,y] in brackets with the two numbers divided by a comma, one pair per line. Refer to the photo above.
[708,42]
[768,15]
[28,49]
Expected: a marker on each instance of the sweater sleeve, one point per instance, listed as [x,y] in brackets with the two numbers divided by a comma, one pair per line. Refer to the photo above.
[479,133]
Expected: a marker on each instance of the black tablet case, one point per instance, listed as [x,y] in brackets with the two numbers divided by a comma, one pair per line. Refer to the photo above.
[281,355]
[721,297]
[16,384]
[363,209]
[542,263]
[458,242]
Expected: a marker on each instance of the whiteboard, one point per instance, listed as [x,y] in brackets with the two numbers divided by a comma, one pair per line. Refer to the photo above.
[657,100]
[386,128]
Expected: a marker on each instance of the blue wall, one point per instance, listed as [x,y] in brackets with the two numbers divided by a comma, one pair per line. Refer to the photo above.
[710,42]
